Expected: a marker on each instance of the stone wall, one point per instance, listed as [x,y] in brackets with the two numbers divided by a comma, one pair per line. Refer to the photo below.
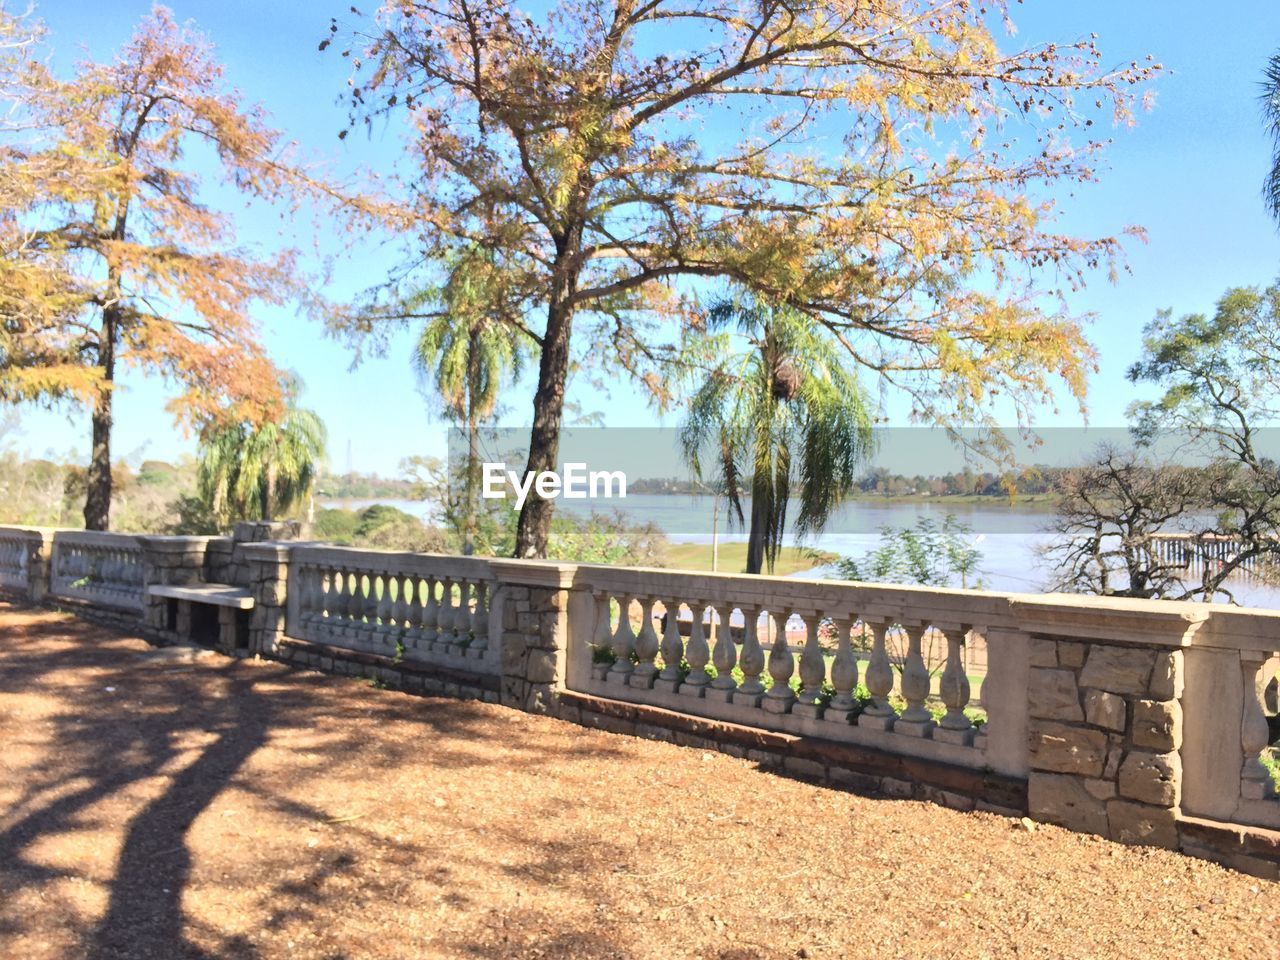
[1105,730]
[1119,718]
[535,603]
[268,581]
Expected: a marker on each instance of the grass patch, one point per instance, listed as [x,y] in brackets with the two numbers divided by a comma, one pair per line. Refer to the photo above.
[733,558]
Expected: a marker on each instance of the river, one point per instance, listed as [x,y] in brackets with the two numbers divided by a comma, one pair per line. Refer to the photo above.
[1011,537]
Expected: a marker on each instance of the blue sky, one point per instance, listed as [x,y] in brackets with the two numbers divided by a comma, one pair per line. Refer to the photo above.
[1190,173]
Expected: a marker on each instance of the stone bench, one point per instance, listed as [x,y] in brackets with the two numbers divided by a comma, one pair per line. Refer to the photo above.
[185,618]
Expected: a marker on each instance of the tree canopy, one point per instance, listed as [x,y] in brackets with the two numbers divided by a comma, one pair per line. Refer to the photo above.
[111,255]
[875,166]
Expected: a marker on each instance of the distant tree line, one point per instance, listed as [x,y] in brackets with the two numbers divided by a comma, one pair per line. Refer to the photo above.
[1037,480]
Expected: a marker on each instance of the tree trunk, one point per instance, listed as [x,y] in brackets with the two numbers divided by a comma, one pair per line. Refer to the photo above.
[97,501]
[471,486]
[269,492]
[534,529]
[759,531]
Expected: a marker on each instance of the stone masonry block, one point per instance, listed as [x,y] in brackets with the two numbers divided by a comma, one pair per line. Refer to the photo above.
[1065,800]
[1104,709]
[1139,823]
[540,698]
[1061,748]
[513,653]
[1101,789]
[1153,778]
[1044,653]
[1071,654]
[550,630]
[1053,695]
[1118,669]
[1167,676]
[541,666]
[1157,724]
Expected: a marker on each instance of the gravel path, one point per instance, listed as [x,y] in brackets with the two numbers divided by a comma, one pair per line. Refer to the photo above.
[157,805]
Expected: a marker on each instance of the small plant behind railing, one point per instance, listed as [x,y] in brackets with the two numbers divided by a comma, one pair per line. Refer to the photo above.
[603,657]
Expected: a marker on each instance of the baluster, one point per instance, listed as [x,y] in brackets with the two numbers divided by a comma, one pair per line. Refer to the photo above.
[350,603]
[672,648]
[380,586]
[624,641]
[603,635]
[357,604]
[444,618]
[916,720]
[480,619]
[780,697]
[430,615]
[414,613]
[813,670]
[309,593]
[1256,783]
[399,609]
[844,676]
[751,660]
[646,648]
[955,727]
[108,567]
[462,615]
[328,593]
[724,656]
[879,714]
[698,654]
[368,607]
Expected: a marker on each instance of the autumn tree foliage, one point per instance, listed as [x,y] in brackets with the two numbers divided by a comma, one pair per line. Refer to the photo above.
[111,255]
[879,165]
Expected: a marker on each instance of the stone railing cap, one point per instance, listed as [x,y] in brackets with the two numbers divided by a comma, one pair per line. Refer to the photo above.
[175,542]
[535,573]
[268,549]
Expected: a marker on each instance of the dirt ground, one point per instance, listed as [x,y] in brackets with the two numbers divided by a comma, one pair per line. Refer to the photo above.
[163,806]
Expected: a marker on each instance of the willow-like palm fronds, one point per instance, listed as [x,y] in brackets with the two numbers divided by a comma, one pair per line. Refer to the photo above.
[262,472]
[1271,113]
[786,414]
[465,355]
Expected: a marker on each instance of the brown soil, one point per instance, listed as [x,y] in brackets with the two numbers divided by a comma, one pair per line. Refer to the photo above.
[152,806]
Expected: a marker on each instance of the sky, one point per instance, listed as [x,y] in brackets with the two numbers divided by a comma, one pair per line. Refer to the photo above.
[1190,173]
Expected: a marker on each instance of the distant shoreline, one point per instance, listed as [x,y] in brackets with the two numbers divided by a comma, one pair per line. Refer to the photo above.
[1039,500]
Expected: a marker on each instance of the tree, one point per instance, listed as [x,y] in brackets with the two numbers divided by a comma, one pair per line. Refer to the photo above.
[618,154]
[785,413]
[111,256]
[259,471]
[929,554]
[1221,380]
[1202,467]
[1109,519]
[1271,114]
[467,354]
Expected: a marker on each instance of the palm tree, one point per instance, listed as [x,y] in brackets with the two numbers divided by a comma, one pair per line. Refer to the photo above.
[785,413]
[250,472]
[1271,113]
[465,354]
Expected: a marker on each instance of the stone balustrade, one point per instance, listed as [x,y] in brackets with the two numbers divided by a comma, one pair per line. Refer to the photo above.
[101,569]
[401,605]
[1143,721]
[836,660]
[24,561]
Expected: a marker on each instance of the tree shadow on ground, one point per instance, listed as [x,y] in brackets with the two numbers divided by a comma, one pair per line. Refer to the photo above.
[125,718]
